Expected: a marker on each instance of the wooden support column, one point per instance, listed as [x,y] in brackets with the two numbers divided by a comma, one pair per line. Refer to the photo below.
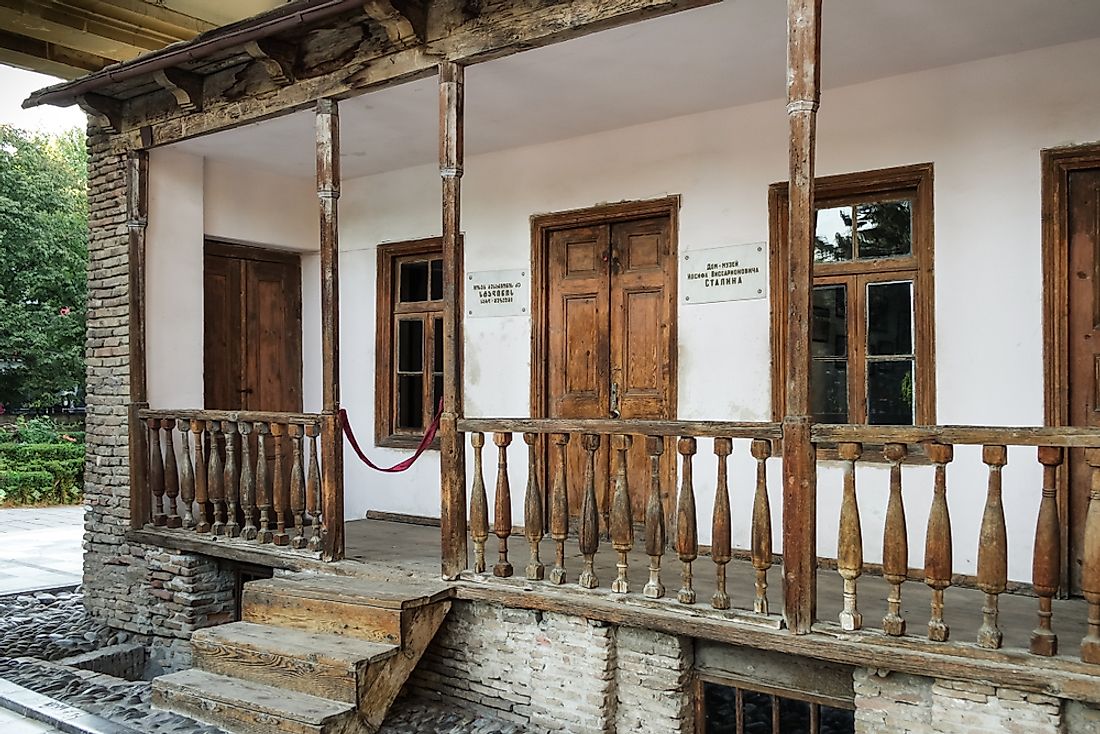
[799,456]
[452,464]
[332,438]
[137,205]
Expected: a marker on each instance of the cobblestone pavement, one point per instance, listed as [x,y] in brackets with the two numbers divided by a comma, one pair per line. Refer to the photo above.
[50,626]
[40,548]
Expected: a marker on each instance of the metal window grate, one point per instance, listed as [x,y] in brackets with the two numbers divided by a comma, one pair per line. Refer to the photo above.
[731,710]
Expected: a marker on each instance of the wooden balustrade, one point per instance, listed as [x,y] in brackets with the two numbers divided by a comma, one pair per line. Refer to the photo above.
[247,475]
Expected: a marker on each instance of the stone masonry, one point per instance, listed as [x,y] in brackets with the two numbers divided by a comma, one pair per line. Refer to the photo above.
[157,594]
[558,673]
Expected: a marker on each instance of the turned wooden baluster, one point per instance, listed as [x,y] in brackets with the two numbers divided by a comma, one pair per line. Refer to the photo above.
[479,505]
[156,473]
[687,533]
[232,479]
[297,487]
[559,508]
[937,542]
[895,543]
[263,485]
[313,491]
[1090,567]
[992,548]
[721,541]
[532,509]
[850,540]
[621,524]
[171,475]
[279,489]
[216,479]
[1048,552]
[655,537]
[187,474]
[590,514]
[248,484]
[202,524]
[502,507]
[761,525]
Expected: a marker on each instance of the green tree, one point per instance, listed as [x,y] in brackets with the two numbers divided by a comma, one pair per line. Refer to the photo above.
[43,256]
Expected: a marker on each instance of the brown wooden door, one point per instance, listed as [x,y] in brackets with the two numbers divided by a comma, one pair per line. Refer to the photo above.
[610,340]
[1083,202]
[253,329]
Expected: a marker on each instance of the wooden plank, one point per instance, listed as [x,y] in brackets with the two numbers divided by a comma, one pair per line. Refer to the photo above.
[319,613]
[137,205]
[233,416]
[452,461]
[1064,436]
[698,429]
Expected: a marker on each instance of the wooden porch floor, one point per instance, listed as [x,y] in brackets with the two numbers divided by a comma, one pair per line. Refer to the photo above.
[415,549]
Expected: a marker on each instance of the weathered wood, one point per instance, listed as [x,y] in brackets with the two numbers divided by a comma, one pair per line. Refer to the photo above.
[589,536]
[276,58]
[721,544]
[1046,558]
[850,539]
[202,524]
[452,464]
[655,538]
[156,473]
[559,507]
[895,543]
[171,476]
[185,88]
[992,548]
[1063,436]
[761,525]
[141,493]
[398,26]
[248,483]
[687,530]
[700,429]
[216,477]
[479,505]
[297,487]
[137,218]
[279,493]
[234,416]
[532,508]
[313,490]
[263,484]
[187,475]
[232,479]
[1090,572]
[621,523]
[937,542]
[502,507]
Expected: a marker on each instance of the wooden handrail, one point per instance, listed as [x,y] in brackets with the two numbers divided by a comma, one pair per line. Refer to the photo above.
[610,427]
[1064,436]
[236,416]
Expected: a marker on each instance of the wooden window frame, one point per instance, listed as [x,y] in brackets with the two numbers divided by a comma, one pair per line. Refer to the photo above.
[386,312]
[915,182]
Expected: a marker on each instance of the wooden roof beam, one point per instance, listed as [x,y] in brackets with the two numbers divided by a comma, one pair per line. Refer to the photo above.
[276,57]
[183,85]
[143,14]
[106,112]
[47,58]
[404,26]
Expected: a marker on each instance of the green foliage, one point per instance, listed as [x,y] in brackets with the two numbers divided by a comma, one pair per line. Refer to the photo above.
[25,487]
[40,473]
[22,453]
[43,255]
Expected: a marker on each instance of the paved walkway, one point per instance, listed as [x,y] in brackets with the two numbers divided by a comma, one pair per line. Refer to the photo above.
[13,723]
[40,548]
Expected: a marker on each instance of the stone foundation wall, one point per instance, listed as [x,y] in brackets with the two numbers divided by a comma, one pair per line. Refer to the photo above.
[159,595]
[558,673]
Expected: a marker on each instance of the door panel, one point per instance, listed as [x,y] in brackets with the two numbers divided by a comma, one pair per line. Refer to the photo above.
[222,370]
[273,344]
[1084,344]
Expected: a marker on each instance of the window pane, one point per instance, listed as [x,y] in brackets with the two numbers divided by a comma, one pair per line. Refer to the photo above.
[889,318]
[794,716]
[830,325]
[829,390]
[885,228]
[410,401]
[758,712]
[414,281]
[437,392]
[890,392]
[437,337]
[720,709]
[437,280]
[410,346]
[833,242]
[838,720]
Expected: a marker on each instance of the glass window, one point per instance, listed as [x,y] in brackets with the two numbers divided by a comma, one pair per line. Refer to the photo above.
[736,710]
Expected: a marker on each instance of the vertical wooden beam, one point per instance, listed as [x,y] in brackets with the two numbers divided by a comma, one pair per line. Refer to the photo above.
[137,205]
[799,455]
[332,439]
[452,465]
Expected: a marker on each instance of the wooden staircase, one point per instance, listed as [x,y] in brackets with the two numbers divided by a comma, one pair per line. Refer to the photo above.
[312,655]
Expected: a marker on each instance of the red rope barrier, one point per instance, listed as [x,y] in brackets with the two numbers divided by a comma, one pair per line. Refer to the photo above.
[429,436]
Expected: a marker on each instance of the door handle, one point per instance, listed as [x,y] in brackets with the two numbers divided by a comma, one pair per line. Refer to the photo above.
[614,399]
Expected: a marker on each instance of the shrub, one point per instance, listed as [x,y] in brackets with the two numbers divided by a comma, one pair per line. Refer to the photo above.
[21,453]
[26,487]
[41,429]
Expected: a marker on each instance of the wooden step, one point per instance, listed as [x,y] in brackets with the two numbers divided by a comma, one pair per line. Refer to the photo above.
[326,665]
[245,707]
[345,605]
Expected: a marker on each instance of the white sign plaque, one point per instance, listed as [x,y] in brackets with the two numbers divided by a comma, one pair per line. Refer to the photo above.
[731,273]
[494,293]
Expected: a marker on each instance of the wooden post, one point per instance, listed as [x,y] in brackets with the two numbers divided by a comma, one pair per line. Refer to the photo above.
[993,549]
[532,509]
[502,507]
[332,437]
[799,455]
[850,539]
[1048,552]
[937,542]
[452,464]
[137,205]
[721,545]
[1090,571]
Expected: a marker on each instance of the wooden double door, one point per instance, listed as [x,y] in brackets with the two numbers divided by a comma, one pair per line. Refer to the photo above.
[611,341]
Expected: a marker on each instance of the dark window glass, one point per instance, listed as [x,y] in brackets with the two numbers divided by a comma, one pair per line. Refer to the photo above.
[890,392]
[794,716]
[413,282]
[437,280]
[757,712]
[833,236]
[410,346]
[729,710]
[830,326]
[884,229]
[437,360]
[410,401]
[829,393]
[889,318]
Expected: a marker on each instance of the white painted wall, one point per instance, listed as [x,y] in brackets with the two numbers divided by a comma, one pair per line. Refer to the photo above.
[982,124]
[256,207]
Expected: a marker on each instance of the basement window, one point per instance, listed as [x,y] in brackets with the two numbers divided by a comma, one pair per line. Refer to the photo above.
[727,709]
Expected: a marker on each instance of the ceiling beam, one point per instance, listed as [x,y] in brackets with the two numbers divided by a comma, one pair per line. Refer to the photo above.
[47,58]
[144,14]
[399,25]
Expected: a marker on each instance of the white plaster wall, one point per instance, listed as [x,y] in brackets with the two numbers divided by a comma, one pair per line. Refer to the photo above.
[256,207]
[982,124]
